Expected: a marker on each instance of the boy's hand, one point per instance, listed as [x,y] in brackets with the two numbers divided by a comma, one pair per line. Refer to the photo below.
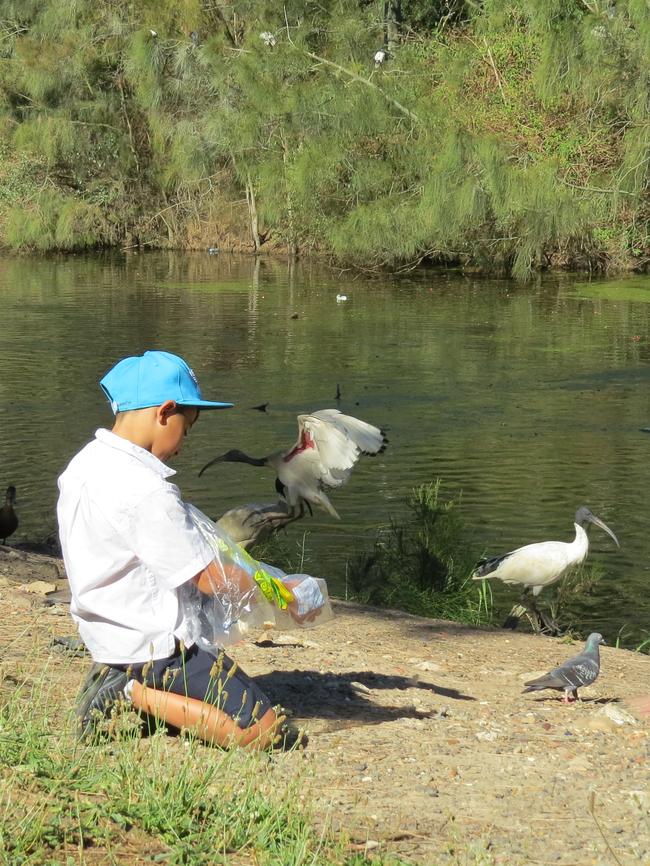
[308,599]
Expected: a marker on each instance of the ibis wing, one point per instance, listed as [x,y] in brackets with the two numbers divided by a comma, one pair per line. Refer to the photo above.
[532,565]
[368,438]
[486,567]
[332,454]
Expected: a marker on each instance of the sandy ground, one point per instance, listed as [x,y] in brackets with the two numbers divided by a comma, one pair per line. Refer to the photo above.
[421,742]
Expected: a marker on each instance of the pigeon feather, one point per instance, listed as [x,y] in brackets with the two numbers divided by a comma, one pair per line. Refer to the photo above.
[576,672]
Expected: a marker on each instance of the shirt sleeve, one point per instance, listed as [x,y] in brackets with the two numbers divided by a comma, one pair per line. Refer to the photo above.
[165,539]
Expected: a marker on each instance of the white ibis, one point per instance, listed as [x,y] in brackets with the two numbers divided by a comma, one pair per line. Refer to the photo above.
[381,56]
[8,516]
[535,566]
[328,446]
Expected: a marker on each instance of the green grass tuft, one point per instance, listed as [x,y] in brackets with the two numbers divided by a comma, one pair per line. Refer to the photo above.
[171,799]
[424,564]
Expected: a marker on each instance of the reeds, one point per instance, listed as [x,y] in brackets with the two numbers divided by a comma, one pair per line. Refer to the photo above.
[423,564]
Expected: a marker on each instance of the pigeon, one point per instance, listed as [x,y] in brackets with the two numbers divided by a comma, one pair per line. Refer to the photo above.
[581,670]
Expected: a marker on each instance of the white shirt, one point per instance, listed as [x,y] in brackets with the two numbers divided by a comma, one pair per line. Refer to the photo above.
[128,544]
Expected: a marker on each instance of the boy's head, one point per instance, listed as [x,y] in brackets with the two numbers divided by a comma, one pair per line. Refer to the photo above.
[156,399]
[151,379]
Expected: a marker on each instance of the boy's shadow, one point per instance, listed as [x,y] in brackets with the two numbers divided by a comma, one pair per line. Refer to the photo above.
[310,694]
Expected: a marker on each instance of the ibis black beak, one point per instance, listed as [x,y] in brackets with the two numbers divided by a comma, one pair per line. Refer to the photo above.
[601,523]
[210,463]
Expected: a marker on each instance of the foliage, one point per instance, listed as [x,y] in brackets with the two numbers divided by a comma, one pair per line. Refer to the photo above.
[507,136]
[424,565]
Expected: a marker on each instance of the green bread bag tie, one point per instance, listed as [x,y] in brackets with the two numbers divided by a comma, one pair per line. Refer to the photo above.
[273,589]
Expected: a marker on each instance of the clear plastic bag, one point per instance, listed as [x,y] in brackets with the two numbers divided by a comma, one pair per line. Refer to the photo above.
[228,614]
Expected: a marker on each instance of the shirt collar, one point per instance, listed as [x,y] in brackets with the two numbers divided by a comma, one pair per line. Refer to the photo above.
[146,457]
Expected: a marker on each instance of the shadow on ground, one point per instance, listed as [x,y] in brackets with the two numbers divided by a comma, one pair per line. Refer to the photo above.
[347,696]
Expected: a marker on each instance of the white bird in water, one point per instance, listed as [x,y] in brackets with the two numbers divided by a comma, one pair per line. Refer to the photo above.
[380,57]
[328,446]
[535,566]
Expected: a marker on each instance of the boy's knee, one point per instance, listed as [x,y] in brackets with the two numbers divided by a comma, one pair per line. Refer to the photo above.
[262,734]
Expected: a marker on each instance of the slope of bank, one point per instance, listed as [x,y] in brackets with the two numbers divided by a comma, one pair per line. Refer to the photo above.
[421,742]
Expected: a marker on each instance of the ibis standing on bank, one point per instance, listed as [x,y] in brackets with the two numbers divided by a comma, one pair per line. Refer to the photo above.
[535,566]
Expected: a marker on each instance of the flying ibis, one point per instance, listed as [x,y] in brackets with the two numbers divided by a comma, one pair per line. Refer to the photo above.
[535,566]
[328,446]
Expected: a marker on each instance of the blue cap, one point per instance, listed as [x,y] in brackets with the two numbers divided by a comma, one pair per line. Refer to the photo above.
[151,379]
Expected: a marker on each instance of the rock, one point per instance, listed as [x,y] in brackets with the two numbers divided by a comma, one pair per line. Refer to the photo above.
[359,687]
[610,718]
[488,736]
[617,714]
[61,596]
[57,610]
[70,644]
[428,666]
[38,587]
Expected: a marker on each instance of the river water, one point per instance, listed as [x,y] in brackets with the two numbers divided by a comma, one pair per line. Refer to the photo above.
[527,398]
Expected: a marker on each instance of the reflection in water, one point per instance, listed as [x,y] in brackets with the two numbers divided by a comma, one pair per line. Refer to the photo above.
[529,398]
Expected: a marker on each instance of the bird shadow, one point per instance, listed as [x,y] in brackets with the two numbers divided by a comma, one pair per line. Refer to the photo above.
[347,696]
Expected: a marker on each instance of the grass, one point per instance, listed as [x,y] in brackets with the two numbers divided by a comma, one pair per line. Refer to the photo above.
[424,565]
[130,799]
[623,639]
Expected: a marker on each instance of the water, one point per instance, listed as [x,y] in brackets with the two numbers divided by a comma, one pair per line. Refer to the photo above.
[528,398]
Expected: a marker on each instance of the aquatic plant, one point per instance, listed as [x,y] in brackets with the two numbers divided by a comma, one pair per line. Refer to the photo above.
[423,563]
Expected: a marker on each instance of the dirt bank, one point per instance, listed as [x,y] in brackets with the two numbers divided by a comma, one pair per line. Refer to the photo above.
[419,733]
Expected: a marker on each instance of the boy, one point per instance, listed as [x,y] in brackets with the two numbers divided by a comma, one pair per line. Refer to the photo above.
[128,545]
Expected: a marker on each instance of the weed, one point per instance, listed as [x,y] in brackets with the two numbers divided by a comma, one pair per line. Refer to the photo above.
[176,798]
[424,564]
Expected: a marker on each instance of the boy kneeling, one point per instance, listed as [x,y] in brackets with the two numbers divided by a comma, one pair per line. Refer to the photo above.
[128,546]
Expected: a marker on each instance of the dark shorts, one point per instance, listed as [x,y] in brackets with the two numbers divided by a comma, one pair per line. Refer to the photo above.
[212,678]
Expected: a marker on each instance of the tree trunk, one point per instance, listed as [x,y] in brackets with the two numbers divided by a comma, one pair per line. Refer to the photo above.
[252,213]
[392,18]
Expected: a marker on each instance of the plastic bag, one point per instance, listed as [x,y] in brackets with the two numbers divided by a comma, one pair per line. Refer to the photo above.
[228,615]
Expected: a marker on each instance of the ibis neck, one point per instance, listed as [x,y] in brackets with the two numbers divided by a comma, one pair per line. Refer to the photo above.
[580,543]
[240,457]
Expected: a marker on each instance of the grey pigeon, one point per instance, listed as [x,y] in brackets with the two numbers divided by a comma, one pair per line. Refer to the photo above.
[581,670]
